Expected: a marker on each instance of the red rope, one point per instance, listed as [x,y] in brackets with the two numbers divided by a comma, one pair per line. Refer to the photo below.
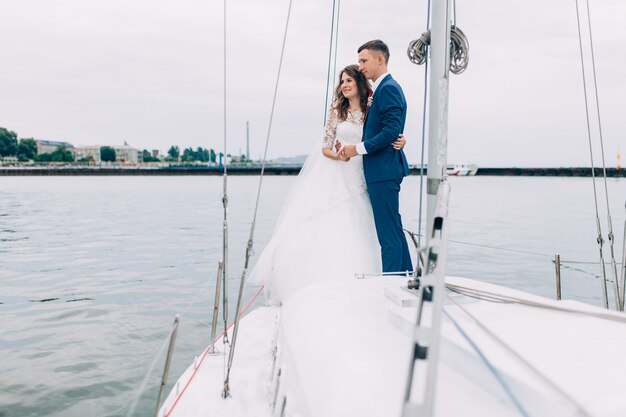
[206,351]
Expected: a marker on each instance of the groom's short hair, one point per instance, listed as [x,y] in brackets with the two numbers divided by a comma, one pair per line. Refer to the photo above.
[376,45]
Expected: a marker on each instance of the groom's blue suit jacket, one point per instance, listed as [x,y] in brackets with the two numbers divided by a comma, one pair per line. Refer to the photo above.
[385,120]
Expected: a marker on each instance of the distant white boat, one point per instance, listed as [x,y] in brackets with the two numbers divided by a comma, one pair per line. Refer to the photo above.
[461,170]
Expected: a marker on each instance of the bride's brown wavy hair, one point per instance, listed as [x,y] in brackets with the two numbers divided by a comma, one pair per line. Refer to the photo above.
[340,102]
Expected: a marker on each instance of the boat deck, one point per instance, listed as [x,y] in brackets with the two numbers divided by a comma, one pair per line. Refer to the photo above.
[344,348]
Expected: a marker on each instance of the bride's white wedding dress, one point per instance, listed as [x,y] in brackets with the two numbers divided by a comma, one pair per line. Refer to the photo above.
[326,228]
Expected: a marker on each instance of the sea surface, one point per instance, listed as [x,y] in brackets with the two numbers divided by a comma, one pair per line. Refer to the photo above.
[93,270]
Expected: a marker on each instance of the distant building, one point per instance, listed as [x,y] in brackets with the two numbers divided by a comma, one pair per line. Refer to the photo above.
[155,153]
[49,146]
[126,153]
[87,151]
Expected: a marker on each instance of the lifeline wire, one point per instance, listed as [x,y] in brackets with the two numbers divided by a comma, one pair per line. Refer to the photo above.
[582,271]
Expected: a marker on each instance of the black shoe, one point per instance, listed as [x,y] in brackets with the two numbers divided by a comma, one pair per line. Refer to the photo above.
[413,284]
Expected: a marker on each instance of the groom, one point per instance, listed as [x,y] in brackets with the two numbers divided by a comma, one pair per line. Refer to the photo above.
[384,166]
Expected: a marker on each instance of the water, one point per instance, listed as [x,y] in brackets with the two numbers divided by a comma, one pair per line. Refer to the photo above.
[93,270]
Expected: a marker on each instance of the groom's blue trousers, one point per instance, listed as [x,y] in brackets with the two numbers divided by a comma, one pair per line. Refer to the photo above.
[385,198]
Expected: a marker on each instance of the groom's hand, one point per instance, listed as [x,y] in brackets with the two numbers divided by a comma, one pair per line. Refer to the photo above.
[399,143]
[349,151]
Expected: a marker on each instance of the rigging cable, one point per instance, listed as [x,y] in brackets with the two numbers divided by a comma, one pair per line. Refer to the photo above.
[611,237]
[144,383]
[623,278]
[249,248]
[336,42]
[599,238]
[453,12]
[330,52]
[225,204]
[421,200]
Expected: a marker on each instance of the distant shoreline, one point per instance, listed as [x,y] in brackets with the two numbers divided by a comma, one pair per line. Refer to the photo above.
[277,170]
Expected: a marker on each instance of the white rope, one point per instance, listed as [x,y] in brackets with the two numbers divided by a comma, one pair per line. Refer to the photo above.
[496,297]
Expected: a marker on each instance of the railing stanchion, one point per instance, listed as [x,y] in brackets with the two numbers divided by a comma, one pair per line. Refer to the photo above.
[623,268]
[168,360]
[216,306]
[557,267]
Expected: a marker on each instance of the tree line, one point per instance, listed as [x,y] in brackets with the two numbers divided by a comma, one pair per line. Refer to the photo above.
[25,149]
[190,155]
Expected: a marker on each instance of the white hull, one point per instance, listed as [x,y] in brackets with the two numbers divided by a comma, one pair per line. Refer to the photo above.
[343,349]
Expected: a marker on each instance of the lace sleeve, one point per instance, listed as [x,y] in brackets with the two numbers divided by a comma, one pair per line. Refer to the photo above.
[330,131]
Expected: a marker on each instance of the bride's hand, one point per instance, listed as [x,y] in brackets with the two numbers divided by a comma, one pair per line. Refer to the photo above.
[341,155]
[338,145]
[399,143]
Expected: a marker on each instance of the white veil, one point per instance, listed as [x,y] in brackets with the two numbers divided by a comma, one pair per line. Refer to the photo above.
[325,229]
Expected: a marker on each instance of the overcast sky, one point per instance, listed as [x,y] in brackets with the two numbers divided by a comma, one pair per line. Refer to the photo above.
[151,73]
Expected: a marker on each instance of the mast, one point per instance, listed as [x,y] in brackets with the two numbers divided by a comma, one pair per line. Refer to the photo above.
[438,104]
[419,395]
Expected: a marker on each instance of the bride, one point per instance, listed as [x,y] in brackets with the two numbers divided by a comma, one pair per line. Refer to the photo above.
[326,228]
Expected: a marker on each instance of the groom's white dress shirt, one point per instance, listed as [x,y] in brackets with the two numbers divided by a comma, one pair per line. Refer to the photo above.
[360,147]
